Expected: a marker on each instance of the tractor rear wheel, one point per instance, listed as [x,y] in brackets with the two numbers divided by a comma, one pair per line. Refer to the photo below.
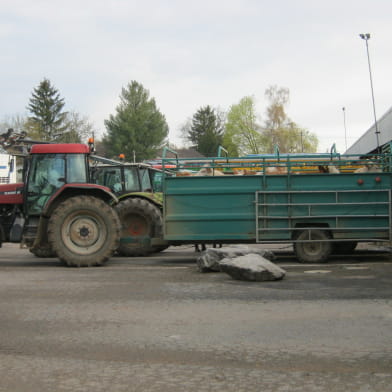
[83,231]
[315,251]
[140,221]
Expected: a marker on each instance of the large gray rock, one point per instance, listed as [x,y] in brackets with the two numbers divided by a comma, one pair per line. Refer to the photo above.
[209,260]
[251,267]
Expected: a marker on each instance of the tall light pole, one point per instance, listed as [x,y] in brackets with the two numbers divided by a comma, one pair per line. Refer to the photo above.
[366,37]
[345,128]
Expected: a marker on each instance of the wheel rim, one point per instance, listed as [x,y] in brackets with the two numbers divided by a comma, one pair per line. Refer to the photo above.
[136,226]
[83,232]
[312,248]
[315,248]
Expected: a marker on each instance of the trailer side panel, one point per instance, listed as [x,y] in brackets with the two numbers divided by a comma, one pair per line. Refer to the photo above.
[272,208]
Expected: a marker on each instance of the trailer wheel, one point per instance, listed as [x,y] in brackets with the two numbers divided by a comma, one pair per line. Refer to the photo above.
[344,248]
[83,231]
[140,221]
[315,251]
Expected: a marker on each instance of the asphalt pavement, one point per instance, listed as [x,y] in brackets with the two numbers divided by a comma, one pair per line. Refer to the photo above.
[157,324]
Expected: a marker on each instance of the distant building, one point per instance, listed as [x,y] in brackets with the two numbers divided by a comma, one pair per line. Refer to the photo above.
[188,153]
[367,143]
[7,169]
[182,153]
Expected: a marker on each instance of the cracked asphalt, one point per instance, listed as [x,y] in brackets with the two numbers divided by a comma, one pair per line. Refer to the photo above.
[157,324]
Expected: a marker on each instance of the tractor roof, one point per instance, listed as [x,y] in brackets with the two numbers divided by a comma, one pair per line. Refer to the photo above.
[66,148]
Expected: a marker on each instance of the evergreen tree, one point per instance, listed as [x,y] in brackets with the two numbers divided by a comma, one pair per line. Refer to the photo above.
[206,130]
[138,128]
[47,121]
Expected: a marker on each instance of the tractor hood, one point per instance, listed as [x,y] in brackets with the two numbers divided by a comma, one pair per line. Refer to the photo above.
[11,193]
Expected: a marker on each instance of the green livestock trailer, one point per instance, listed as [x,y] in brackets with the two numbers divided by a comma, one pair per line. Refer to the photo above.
[322,203]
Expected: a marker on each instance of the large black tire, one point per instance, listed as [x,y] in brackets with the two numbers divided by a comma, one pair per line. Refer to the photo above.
[84,231]
[140,221]
[43,252]
[315,251]
[344,248]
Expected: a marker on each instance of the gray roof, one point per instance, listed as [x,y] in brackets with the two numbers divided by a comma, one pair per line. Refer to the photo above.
[184,153]
[188,153]
[368,141]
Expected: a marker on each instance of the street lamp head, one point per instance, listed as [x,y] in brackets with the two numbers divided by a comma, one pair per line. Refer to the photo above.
[365,36]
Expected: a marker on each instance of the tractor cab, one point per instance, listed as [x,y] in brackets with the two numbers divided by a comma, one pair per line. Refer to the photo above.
[50,167]
[128,178]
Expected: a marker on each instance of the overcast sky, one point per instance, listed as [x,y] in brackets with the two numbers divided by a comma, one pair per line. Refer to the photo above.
[190,54]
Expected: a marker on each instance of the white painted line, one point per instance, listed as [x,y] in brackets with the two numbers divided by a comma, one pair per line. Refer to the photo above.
[356,268]
[302,265]
[162,267]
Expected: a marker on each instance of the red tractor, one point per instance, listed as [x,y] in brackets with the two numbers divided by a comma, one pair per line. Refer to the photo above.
[56,209]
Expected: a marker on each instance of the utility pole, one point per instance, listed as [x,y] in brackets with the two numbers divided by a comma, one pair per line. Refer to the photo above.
[344,123]
[366,37]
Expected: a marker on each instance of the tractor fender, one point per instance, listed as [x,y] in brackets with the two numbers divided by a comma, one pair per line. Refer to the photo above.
[70,190]
[154,198]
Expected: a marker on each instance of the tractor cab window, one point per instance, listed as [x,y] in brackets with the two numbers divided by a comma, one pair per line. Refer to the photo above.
[131,179]
[98,175]
[76,168]
[156,180]
[145,180]
[47,174]
[113,179]
[110,177]
[47,170]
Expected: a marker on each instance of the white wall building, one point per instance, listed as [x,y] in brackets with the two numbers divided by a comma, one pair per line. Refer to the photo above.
[7,169]
[368,141]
